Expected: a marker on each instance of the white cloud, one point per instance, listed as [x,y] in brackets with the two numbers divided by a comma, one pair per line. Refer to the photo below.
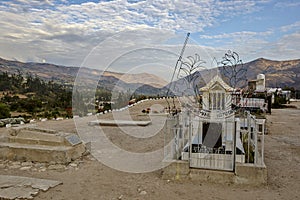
[34,30]
[287,4]
[235,35]
[293,26]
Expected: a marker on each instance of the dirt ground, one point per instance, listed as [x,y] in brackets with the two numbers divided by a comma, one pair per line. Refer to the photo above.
[94,180]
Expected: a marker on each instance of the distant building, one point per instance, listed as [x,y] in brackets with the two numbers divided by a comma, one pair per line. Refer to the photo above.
[258,85]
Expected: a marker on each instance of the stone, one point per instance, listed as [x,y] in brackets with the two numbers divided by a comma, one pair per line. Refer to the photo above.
[52,163]
[16,163]
[25,164]
[39,165]
[42,170]
[73,139]
[73,165]
[143,192]
[17,187]
[25,168]
[14,167]
[56,167]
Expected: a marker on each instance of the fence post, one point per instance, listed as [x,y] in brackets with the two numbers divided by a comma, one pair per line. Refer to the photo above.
[263,144]
[190,134]
[234,146]
[255,140]
[249,134]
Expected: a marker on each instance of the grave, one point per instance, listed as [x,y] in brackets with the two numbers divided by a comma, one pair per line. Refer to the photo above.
[227,142]
[30,143]
[119,123]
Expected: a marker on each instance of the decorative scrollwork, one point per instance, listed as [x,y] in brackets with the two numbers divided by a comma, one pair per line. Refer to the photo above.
[233,69]
[188,71]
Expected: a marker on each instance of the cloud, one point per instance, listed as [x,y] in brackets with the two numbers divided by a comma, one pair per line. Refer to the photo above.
[234,35]
[287,4]
[65,33]
[293,26]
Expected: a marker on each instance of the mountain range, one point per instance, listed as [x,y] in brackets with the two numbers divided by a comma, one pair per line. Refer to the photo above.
[278,74]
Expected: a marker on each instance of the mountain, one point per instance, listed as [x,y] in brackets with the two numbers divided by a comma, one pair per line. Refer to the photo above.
[143,78]
[142,82]
[43,70]
[278,74]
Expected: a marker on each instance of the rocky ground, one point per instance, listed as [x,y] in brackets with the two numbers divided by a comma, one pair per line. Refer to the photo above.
[87,178]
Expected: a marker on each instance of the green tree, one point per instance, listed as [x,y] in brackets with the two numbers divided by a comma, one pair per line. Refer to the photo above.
[4,111]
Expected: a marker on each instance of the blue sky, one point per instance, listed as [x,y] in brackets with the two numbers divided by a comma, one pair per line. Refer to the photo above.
[107,34]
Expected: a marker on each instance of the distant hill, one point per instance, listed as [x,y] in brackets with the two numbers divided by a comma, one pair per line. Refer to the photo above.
[142,82]
[143,78]
[278,74]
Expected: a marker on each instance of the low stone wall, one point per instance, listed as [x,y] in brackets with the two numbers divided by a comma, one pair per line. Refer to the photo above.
[61,155]
[176,170]
[250,174]
[244,174]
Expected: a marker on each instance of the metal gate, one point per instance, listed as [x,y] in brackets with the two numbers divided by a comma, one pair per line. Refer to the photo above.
[212,145]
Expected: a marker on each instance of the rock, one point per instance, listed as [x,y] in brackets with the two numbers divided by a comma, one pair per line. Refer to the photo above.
[25,168]
[52,163]
[26,164]
[120,197]
[56,167]
[73,165]
[39,165]
[14,167]
[143,192]
[42,170]
[16,163]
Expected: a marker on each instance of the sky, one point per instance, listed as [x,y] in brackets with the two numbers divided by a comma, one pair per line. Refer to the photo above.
[147,36]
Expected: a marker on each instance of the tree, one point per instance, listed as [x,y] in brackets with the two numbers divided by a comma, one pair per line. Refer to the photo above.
[4,111]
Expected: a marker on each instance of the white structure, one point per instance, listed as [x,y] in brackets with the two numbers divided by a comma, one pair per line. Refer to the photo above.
[260,82]
[214,138]
[215,143]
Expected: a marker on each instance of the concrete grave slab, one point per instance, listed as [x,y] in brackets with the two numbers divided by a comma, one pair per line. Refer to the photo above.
[119,123]
[18,187]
